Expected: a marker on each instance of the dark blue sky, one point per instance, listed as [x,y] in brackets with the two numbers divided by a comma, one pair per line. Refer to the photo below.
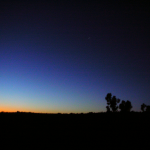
[65,56]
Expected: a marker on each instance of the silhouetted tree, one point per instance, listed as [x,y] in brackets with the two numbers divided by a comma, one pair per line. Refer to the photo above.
[108,108]
[112,102]
[143,106]
[125,106]
[128,106]
[147,108]
[122,106]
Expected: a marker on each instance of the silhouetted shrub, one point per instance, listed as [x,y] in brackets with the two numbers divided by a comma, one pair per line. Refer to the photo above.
[90,112]
[71,113]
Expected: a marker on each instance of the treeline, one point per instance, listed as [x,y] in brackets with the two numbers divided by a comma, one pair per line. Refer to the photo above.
[125,106]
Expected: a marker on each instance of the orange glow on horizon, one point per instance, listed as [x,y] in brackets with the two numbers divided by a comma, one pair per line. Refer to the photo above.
[12,109]
[21,109]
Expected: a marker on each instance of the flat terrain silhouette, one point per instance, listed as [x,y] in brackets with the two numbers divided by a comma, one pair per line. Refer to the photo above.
[101,123]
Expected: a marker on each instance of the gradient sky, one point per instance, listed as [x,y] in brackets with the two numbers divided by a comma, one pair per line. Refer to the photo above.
[66,55]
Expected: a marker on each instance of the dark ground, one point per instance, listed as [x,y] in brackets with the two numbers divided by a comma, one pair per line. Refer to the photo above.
[108,129]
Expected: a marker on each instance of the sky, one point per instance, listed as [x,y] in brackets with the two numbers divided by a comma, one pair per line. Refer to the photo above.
[64,56]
